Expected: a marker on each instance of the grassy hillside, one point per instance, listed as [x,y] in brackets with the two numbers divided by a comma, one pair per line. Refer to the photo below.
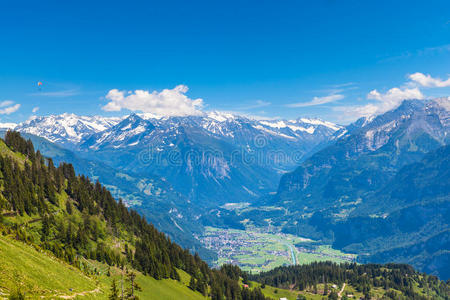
[36,272]
[41,275]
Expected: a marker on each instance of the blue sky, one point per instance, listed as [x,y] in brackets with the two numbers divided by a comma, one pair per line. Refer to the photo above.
[332,59]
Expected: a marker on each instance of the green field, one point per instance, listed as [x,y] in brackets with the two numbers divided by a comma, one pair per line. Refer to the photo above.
[255,250]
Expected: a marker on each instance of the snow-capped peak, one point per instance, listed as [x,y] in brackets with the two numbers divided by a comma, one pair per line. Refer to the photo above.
[220,116]
[74,130]
[320,122]
[149,116]
[66,128]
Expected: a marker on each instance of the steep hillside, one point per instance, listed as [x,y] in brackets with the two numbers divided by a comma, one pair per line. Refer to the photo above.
[381,191]
[151,196]
[33,272]
[368,157]
[78,222]
[406,220]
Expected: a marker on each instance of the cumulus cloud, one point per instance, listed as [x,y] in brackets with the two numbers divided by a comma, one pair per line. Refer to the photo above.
[35,109]
[318,101]
[385,102]
[8,107]
[428,81]
[168,102]
[352,112]
[396,95]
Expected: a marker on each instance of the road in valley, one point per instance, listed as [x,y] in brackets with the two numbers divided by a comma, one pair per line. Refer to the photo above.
[294,259]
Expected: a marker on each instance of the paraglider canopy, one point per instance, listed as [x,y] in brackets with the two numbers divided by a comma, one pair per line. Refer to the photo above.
[39,83]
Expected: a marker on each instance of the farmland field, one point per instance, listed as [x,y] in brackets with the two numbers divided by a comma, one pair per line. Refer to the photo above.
[256,250]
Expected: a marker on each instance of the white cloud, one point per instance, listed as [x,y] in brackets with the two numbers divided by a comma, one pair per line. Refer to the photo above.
[35,109]
[318,101]
[385,102]
[7,110]
[428,81]
[353,112]
[168,102]
[395,95]
[6,103]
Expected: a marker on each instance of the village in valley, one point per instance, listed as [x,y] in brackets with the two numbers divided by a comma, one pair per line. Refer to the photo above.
[255,250]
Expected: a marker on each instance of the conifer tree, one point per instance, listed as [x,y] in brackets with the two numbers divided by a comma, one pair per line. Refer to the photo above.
[114,291]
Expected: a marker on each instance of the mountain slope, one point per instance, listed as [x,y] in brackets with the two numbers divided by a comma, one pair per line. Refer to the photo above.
[41,273]
[412,224]
[37,273]
[152,197]
[210,159]
[367,158]
[381,191]
[79,222]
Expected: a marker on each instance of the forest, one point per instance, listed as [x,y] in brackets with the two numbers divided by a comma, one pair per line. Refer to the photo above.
[389,277]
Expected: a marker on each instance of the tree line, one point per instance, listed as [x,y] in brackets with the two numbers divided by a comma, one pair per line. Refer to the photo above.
[363,278]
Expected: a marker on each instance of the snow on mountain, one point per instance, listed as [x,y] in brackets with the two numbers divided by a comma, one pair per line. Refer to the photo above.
[66,129]
[209,157]
[137,130]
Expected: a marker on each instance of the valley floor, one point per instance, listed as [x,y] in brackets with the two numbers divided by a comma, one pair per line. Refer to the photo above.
[256,250]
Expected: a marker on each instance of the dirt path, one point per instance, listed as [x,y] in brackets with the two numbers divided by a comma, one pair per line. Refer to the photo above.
[79,294]
[341,291]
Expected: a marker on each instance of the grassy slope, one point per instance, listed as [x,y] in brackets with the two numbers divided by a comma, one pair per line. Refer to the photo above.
[43,276]
[4,150]
[37,272]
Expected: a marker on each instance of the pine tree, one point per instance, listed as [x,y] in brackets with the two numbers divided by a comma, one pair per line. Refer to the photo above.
[114,291]
[192,284]
[131,280]
[69,207]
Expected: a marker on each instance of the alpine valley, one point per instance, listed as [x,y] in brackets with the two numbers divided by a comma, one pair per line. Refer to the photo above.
[376,190]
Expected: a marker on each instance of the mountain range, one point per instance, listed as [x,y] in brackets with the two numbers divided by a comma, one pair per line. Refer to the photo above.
[358,187]
[173,170]
[211,159]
